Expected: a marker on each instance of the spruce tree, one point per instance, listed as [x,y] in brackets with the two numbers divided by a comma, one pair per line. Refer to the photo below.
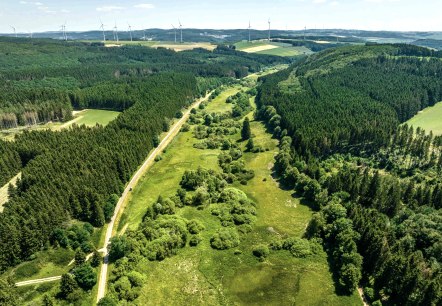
[245,132]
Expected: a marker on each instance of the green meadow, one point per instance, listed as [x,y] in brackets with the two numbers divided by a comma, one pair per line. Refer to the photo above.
[204,276]
[430,119]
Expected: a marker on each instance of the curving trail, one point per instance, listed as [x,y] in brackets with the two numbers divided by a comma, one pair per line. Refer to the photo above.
[144,167]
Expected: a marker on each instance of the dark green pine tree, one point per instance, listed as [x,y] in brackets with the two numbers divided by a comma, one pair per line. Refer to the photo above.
[246,132]
[67,285]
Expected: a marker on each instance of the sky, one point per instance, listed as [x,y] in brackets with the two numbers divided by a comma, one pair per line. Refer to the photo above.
[82,15]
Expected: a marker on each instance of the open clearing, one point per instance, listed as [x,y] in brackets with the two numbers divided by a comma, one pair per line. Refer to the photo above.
[88,117]
[92,117]
[204,276]
[430,119]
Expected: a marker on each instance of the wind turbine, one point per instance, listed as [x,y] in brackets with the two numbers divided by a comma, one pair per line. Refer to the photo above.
[63,31]
[130,31]
[269,28]
[250,27]
[174,30]
[181,30]
[116,32]
[15,33]
[102,29]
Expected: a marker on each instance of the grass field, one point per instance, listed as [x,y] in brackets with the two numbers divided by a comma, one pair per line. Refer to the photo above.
[91,117]
[88,117]
[203,276]
[430,119]
[272,48]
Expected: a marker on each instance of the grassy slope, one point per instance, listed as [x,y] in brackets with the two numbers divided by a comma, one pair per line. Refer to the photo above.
[429,119]
[202,275]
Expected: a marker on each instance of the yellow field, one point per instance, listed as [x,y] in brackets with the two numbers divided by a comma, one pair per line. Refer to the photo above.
[259,48]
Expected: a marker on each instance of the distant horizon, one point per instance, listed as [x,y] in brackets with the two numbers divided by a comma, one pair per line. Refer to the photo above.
[41,16]
[226,29]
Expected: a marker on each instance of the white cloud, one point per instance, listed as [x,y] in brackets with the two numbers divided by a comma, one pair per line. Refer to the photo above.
[145,6]
[319,1]
[46,10]
[109,8]
[38,3]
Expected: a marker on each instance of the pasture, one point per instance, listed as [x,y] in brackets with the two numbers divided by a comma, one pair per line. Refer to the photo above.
[430,119]
[204,276]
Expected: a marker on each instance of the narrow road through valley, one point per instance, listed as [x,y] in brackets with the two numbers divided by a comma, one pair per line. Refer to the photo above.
[144,167]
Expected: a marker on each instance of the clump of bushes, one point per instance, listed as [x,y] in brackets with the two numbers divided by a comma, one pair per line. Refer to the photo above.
[261,251]
[225,238]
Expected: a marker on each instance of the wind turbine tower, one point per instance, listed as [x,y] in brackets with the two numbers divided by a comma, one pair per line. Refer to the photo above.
[174,30]
[269,28]
[15,33]
[63,31]
[250,27]
[116,32]
[102,29]
[130,31]
[181,31]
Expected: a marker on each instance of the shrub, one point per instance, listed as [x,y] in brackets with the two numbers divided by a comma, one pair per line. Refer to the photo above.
[195,226]
[298,247]
[261,251]
[195,240]
[107,301]
[225,238]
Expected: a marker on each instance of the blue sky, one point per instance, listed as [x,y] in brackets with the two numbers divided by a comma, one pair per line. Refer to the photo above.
[46,15]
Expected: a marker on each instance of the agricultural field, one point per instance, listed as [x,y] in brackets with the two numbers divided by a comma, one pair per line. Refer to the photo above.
[272,48]
[88,117]
[429,119]
[164,44]
[201,275]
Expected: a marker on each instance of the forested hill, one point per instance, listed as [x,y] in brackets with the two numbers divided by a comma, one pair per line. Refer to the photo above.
[72,174]
[353,95]
[376,184]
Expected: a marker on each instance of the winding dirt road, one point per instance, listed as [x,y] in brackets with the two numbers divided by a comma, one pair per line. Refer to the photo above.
[120,205]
